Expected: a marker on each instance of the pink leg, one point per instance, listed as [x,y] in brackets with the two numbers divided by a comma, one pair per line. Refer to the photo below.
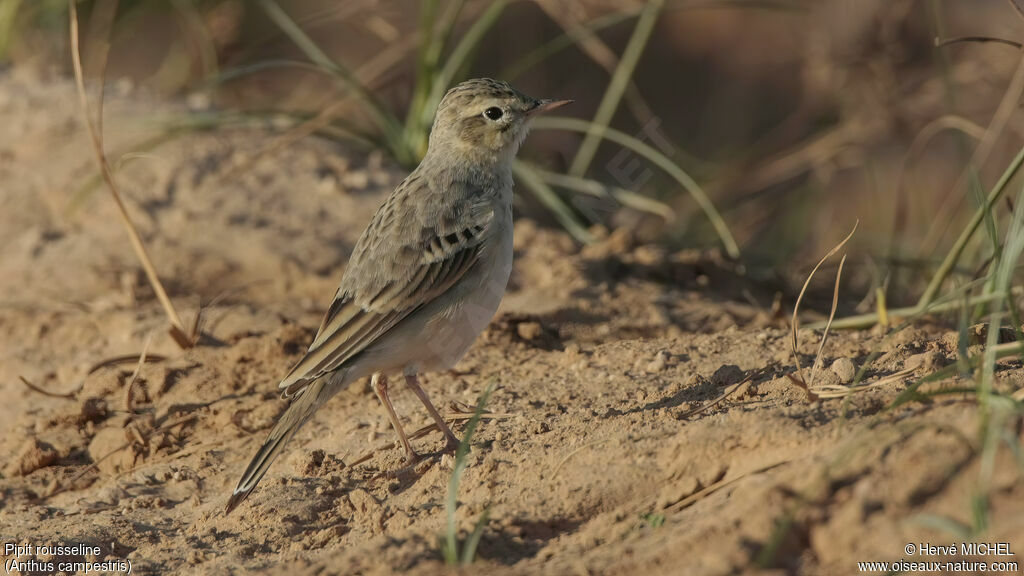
[414,383]
[379,382]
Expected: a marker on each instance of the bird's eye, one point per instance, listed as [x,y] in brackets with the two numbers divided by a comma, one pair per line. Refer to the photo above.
[494,113]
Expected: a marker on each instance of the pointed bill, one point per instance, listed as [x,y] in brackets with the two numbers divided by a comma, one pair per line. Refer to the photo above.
[546,105]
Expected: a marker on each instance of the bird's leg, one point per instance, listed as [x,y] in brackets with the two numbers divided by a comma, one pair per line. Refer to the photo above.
[379,382]
[414,383]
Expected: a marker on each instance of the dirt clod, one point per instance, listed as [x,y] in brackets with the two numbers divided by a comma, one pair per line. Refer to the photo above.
[845,369]
[33,455]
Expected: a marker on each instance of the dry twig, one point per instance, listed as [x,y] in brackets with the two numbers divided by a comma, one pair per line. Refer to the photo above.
[177,329]
[73,393]
[69,485]
[128,404]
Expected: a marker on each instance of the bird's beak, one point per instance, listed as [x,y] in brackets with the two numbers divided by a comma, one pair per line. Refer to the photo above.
[547,105]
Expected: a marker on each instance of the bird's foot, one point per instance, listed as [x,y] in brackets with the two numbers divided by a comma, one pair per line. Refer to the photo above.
[411,460]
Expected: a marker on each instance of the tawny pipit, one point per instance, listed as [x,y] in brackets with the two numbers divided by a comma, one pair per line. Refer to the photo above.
[428,272]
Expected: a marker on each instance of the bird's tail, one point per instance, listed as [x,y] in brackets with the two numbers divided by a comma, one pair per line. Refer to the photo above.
[299,411]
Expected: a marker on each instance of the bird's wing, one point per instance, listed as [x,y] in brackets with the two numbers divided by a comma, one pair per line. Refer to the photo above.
[412,252]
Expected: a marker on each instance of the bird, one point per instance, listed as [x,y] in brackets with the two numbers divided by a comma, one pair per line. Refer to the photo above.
[427,274]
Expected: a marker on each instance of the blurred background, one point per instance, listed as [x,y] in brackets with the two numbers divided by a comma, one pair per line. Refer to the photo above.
[795,118]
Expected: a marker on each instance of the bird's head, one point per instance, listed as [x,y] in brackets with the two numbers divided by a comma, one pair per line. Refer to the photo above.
[485,119]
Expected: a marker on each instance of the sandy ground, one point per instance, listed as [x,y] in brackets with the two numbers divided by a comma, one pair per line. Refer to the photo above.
[603,452]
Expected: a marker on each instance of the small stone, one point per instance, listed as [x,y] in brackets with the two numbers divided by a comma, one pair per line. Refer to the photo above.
[845,369]
[659,362]
[727,375]
[33,456]
[529,330]
[447,462]
[649,255]
[929,361]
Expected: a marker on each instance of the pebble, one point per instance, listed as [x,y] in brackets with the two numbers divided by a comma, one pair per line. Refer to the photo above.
[529,330]
[845,369]
[929,360]
[727,375]
[659,362]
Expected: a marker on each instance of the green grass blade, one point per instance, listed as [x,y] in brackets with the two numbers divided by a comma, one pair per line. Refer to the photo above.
[601,190]
[8,19]
[1003,271]
[469,548]
[459,56]
[450,547]
[911,392]
[434,35]
[617,86]
[230,74]
[549,198]
[386,122]
[659,160]
[938,305]
[428,55]
[572,36]
[562,41]
[961,243]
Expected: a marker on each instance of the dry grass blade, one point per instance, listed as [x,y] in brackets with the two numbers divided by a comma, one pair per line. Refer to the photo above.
[69,395]
[958,39]
[728,392]
[128,400]
[828,325]
[1018,5]
[817,150]
[125,359]
[69,485]
[177,328]
[795,323]
[73,393]
[658,159]
[841,391]
[573,452]
[586,39]
[701,494]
